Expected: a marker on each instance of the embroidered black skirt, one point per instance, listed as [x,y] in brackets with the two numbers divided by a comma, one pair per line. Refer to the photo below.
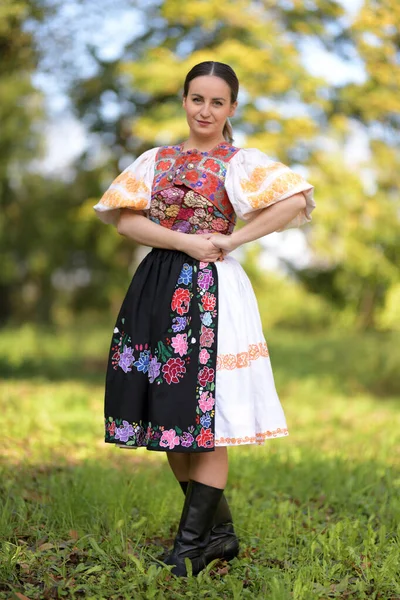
[160,383]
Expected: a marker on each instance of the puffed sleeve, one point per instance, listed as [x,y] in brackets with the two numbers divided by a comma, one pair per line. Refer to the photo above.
[131,189]
[254,181]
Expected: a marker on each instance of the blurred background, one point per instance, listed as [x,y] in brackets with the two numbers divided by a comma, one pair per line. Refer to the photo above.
[87,86]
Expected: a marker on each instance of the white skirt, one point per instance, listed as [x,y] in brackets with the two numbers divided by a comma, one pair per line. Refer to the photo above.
[248,410]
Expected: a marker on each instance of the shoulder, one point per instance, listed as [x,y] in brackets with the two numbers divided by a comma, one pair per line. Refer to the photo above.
[251,156]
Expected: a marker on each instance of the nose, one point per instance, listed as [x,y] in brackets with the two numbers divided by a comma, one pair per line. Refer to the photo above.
[205,110]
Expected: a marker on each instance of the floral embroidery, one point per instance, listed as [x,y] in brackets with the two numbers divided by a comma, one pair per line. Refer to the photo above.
[206,337]
[273,190]
[258,176]
[162,366]
[205,279]
[205,438]
[206,319]
[173,369]
[123,433]
[154,369]
[180,301]
[180,344]
[143,363]
[242,359]
[178,324]
[188,213]
[169,439]
[202,174]
[206,401]
[186,274]
[259,438]
[127,191]
[208,301]
[206,375]
[204,356]
[126,358]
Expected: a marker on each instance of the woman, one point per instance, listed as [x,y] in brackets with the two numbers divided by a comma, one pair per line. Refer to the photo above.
[189,371]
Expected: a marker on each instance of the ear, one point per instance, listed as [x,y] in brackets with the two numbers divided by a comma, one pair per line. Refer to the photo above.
[233,109]
[184,101]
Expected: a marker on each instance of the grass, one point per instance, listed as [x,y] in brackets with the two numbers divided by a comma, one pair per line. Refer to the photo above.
[318,513]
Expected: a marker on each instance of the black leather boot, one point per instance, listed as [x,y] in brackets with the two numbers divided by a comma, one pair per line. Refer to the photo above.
[223,542]
[194,529]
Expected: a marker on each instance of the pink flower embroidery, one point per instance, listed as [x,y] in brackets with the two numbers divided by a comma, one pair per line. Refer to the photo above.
[203,356]
[203,265]
[206,337]
[179,344]
[206,401]
[169,439]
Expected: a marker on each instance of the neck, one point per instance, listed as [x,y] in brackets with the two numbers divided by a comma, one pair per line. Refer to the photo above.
[204,145]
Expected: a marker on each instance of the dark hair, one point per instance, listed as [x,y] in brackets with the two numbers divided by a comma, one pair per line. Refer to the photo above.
[225,72]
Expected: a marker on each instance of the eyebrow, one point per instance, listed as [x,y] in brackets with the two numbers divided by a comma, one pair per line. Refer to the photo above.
[200,96]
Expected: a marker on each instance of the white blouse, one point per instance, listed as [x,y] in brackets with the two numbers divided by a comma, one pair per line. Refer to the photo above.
[253,181]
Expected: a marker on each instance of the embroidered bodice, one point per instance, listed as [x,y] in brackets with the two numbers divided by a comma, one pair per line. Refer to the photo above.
[188,192]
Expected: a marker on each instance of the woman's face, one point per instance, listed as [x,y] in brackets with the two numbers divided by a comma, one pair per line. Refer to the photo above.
[208,105]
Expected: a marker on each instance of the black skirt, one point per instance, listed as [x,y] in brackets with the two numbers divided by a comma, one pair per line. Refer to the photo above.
[160,384]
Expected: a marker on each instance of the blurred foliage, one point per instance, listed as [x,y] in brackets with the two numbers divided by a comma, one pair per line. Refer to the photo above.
[58,260]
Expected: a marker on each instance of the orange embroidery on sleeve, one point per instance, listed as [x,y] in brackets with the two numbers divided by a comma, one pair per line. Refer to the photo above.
[115,199]
[258,176]
[283,183]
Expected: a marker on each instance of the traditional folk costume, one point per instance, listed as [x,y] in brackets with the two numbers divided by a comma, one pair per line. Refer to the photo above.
[189,367]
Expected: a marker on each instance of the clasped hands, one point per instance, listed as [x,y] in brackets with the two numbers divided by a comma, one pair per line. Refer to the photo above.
[208,247]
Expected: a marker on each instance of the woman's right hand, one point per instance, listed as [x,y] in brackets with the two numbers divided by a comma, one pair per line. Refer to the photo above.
[200,247]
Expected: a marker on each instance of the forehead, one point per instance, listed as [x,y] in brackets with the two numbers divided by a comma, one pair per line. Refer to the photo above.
[210,86]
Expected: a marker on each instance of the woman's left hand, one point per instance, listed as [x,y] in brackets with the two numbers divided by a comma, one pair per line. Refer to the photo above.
[224,242]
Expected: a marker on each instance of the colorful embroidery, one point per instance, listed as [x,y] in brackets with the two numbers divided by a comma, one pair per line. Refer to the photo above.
[242,359]
[259,438]
[127,191]
[188,212]
[167,365]
[202,172]
[275,190]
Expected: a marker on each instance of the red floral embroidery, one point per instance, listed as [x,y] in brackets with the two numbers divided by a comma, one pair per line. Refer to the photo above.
[173,369]
[219,224]
[208,301]
[206,337]
[192,176]
[185,213]
[206,375]
[164,165]
[111,428]
[212,165]
[205,439]
[180,301]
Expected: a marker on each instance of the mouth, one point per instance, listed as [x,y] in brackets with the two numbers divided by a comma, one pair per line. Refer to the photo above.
[203,122]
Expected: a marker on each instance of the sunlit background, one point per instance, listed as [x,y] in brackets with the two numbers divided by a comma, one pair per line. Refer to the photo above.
[85,87]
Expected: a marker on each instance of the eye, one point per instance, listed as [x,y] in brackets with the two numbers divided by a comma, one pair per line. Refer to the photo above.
[218,103]
[196,99]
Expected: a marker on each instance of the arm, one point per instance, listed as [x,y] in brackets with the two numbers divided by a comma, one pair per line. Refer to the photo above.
[269,220]
[139,228]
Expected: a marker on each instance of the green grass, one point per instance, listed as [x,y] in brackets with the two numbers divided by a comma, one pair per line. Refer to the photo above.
[318,513]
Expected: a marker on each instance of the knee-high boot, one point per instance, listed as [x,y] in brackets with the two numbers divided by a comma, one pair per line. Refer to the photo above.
[193,535]
[223,542]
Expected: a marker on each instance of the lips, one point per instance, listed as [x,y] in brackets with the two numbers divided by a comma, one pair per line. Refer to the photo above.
[204,122]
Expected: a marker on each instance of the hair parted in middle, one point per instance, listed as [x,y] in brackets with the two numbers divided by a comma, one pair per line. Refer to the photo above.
[225,72]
